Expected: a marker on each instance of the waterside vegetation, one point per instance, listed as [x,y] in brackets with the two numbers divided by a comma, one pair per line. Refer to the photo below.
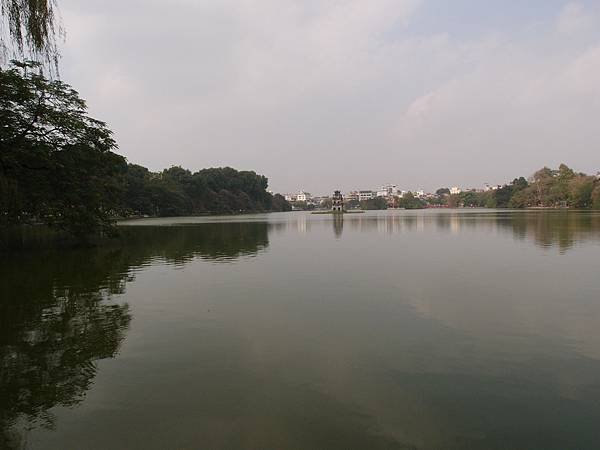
[58,167]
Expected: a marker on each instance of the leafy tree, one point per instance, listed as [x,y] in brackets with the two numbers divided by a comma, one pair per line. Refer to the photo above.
[326,203]
[543,180]
[453,201]
[409,201]
[580,191]
[503,196]
[442,191]
[352,204]
[472,199]
[374,203]
[57,164]
[280,203]
[29,28]
[596,196]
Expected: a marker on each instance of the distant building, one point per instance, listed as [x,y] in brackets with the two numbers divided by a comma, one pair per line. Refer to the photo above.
[290,197]
[419,193]
[388,190]
[303,196]
[488,188]
[365,195]
[337,202]
[455,190]
[352,195]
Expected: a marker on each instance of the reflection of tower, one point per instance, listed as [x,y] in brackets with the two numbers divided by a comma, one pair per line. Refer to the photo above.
[338,225]
[337,202]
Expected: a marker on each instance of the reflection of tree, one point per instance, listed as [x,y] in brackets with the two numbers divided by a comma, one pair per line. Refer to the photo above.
[57,316]
[51,333]
[214,241]
[561,229]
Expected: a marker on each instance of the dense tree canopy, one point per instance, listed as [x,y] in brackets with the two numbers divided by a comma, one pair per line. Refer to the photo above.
[57,164]
[177,191]
[58,167]
[547,188]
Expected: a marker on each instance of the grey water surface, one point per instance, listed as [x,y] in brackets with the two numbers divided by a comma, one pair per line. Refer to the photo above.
[457,329]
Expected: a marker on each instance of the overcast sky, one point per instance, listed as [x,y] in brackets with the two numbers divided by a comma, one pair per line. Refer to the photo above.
[324,94]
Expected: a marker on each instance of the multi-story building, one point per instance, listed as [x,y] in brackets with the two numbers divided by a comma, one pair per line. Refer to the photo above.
[303,196]
[455,190]
[365,195]
[388,190]
[352,196]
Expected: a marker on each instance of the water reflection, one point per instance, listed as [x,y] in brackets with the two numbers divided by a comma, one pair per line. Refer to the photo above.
[60,312]
[56,320]
[442,333]
[338,225]
[220,242]
[560,229]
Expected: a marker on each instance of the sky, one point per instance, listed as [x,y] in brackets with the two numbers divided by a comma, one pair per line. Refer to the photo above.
[343,94]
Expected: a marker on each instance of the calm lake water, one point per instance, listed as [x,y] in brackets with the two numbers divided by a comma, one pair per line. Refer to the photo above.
[386,330]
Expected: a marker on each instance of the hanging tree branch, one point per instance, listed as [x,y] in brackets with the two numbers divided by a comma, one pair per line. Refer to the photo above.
[30,29]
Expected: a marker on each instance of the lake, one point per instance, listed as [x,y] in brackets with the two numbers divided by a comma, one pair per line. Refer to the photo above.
[438,329]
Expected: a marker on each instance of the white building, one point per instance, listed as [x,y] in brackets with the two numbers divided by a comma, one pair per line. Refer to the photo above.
[303,196]
[455,190]
[352,195]
[419,193]
[365,195]
[388,190]
[290,197]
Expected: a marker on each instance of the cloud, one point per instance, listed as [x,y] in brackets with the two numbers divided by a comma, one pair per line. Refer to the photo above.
[291,88]
[573,19]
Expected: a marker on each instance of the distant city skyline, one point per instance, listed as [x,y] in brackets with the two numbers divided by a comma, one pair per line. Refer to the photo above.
[328,95]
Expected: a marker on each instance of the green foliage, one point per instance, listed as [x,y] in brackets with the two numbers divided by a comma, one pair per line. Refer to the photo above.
[352,204]
[547,188]
[57,167]
[56,163]
[177,192]
[280,204]
[31,29]
[304,206]
[377,203]
[596,196]
[409,201]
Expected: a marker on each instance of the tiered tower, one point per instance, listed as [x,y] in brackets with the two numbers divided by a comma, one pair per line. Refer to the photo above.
[337,202]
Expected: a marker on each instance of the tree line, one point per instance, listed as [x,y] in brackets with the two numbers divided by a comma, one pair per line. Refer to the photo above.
[546,188]
[58,167]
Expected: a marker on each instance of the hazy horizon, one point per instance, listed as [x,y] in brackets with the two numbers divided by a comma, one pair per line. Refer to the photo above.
[343,94]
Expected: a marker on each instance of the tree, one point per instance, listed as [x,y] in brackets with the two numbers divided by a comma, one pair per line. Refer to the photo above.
[580,191]
[453,201]
[543,180]
[280,203]
[409,201]
[596,196]
[374,203]
[57,164]
[442,191]
[31,30]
